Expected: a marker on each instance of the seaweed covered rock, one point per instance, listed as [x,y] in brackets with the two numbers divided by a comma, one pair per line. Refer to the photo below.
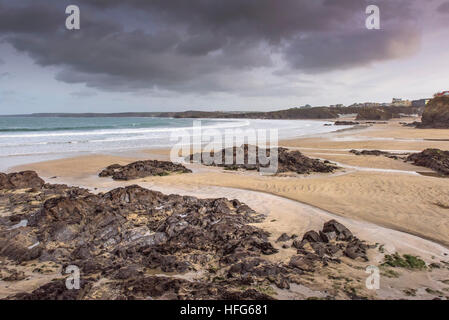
[142,169]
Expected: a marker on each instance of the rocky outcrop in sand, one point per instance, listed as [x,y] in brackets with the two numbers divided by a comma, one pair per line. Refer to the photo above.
[288,161]
[435,159]
[378,153]
[20,180]
[328,245]
[142,169]
[345,123]
[121,238]
[436,114]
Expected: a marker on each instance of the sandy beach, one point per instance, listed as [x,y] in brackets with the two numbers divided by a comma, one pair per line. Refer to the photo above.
[384,201]
[376,189]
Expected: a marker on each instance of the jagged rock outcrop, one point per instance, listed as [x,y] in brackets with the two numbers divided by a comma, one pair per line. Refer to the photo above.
[121,238]
[142,169]
[435,159]
[20,180]
[436,114]
[328,245]
[287,161]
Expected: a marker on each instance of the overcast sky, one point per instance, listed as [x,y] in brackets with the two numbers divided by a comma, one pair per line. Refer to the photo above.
[174,55]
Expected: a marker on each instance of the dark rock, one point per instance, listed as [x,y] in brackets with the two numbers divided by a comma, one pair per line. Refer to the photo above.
[20,180]
[128,272]
[435,265]
[284,237]
[342,232]
[346,123]
[288,161]
[55,290]
[311,236]
[19,244]
[326,249]
[369,152]
[414,124]
[390,155]
[328,236]
[302,263]
[174,233]
[356,249]
[297,244]
[142,169]
[122,234]
[434,159]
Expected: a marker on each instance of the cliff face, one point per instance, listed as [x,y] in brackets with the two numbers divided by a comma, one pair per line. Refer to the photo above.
[436,113]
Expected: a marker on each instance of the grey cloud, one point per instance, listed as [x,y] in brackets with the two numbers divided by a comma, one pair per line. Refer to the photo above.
[30,18]
[443,8]
[356,49]
[5,75]
[83,94]
[201,46]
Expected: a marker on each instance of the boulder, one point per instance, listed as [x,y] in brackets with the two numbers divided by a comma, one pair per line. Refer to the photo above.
[356,249]
[19,244]
[340,230]
[311,236]
[328,236]
[303,263]
[284,237]
[20,180]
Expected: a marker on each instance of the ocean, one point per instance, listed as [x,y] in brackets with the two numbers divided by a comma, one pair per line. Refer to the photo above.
[33,139]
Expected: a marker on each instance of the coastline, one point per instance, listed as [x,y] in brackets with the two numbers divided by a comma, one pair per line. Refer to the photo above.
[386,192]
[61,138]
[384,201]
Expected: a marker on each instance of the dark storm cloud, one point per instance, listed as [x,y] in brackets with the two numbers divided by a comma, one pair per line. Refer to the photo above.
[202,46]
[350,50]
[30,18]
[444,8]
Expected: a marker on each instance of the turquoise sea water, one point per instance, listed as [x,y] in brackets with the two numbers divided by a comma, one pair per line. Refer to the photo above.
[30,139]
